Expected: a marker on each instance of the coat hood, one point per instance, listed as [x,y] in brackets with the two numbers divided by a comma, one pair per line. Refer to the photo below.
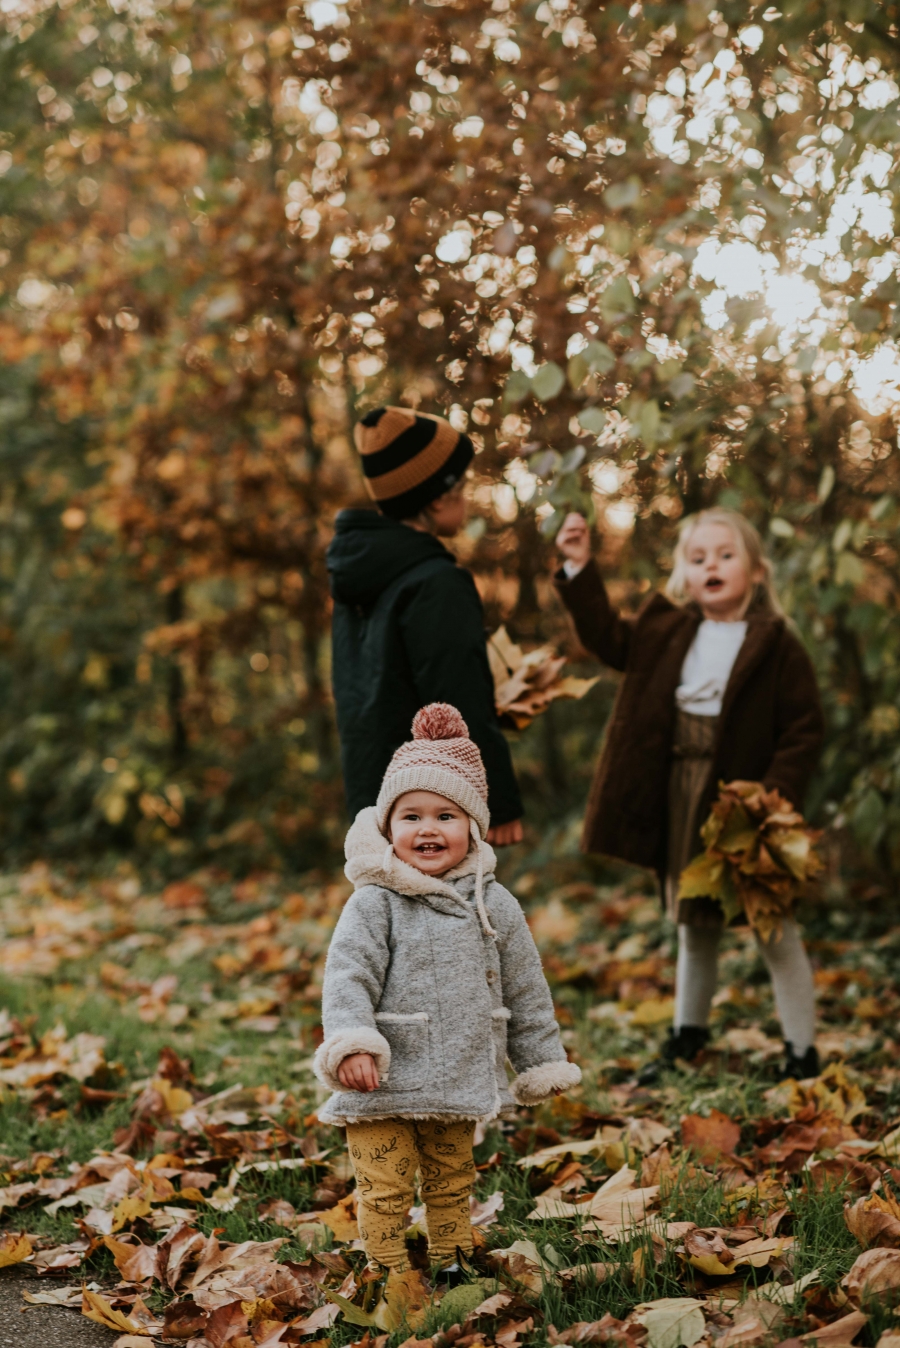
[369,551]
[371,861]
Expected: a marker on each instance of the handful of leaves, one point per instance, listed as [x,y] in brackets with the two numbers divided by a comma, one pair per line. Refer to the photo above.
[759,856]
[525,685]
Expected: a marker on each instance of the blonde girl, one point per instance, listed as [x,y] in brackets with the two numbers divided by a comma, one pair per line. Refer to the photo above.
[716,687]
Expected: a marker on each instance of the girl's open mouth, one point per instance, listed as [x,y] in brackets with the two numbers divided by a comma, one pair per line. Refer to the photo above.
[430,849]
[714,583]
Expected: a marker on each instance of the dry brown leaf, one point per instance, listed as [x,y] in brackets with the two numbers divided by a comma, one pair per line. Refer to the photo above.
[128,1257]
[838,1333]
[711,1138]
[97,1308]
[875,1220]
[526,684]
[874,1271]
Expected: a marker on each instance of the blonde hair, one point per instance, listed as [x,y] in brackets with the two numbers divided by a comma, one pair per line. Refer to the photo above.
[749,545]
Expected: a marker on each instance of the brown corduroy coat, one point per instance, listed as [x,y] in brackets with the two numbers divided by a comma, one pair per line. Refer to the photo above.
[770,728]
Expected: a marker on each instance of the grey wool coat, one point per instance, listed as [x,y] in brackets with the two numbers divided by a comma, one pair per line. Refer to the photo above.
[413,978]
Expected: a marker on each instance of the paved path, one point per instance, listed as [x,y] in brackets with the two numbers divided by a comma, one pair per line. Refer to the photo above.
[27,1326]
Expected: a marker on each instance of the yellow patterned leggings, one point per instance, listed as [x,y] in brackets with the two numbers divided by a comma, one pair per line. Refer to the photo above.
[386,1154]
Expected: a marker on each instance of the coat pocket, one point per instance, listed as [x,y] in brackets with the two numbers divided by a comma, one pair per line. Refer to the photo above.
[410,1056]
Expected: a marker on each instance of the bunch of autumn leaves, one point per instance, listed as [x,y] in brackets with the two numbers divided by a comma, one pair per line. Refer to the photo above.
[759,857]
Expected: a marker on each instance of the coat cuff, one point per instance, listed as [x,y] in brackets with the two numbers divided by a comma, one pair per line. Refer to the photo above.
[340,1045]
[533,1086]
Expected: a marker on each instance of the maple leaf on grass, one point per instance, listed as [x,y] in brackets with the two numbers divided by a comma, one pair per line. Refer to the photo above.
[711,1137]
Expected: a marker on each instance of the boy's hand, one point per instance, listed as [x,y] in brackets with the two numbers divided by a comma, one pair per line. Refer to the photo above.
[359,1073]
[504,835]
[574,539]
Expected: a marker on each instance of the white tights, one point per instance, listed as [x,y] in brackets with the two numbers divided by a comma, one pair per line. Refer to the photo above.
[789,969]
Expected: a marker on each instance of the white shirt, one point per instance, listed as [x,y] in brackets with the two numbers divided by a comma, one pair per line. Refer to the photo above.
[707,667]
[573,569]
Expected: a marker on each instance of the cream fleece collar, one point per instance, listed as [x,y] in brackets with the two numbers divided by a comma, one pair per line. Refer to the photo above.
[371,861]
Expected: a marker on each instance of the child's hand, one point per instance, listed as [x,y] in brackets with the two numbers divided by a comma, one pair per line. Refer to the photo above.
[359,1073]
[574,539]
[504,835]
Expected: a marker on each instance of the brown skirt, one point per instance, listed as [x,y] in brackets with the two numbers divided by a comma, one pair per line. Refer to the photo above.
[692,754]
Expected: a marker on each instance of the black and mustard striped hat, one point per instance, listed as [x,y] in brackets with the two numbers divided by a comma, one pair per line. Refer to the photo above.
[409,458]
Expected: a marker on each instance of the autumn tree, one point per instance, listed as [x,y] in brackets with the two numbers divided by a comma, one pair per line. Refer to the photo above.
[645,255]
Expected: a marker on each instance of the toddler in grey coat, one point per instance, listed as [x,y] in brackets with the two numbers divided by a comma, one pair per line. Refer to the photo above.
[432,982]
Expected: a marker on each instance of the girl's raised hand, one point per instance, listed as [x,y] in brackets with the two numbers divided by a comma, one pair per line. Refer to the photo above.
[574,539]
[359,1073]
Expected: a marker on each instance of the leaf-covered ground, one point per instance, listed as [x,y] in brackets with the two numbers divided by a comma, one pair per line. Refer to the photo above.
[164,1173]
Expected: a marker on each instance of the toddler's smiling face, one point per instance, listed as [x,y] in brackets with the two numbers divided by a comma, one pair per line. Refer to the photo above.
[429,832]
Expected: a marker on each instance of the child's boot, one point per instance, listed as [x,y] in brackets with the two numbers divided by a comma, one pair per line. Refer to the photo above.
[799,1067]
[685,1043]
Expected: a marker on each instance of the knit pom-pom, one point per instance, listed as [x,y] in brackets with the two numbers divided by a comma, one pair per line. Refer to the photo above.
[439,721]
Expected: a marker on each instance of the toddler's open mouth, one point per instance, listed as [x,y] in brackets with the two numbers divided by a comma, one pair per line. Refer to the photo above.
[430,849]
[714,583]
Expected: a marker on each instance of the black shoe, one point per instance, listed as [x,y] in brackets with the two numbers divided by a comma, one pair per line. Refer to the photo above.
[448,1275]
[799,1068]
[686,1043]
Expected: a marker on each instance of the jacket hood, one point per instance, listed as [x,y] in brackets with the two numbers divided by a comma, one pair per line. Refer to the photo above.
[371,861]
[369,551]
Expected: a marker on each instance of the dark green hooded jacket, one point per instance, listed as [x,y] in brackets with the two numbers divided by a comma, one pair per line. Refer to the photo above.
[408,629]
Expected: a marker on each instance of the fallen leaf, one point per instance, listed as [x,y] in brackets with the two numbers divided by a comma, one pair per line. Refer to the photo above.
[55,1296]
[609,1330]
[873,1272]
[485,1214]
[672,1322]
[14,1249]
[874,1220]
[341,1221]
[491,1306]
[549,1157]
[405,1300]
[97,1308]
[654,1011]
[710,1138]
[839,1332]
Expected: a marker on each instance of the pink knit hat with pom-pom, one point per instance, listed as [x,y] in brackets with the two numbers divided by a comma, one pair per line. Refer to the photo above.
[439,758]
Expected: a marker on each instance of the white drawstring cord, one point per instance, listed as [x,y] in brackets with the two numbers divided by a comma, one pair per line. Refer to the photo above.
[479,880]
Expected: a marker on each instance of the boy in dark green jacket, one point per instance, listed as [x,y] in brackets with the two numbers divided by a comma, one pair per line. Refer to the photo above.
[408,625]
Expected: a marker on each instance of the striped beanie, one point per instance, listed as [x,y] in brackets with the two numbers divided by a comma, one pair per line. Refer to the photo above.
[409,458]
